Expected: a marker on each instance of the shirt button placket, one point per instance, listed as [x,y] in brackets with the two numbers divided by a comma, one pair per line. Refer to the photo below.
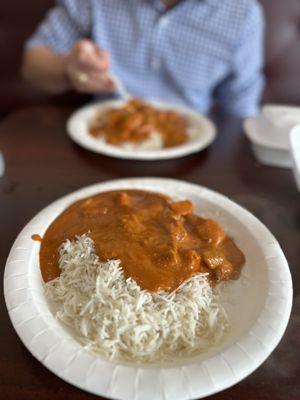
[163,21]
[159,31]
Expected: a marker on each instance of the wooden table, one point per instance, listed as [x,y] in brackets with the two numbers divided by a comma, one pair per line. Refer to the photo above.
[42,164]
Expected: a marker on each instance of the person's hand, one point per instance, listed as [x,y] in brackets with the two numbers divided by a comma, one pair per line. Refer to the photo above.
[87,68]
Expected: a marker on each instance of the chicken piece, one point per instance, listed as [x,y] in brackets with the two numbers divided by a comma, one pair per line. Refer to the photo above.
[182,207]
[123,199]
[215,260]
[131,224]
[211,232]
[224,272]
[192,259]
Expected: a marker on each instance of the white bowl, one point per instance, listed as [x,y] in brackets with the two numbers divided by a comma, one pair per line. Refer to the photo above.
[270,146]
[201,134]
[259,310]
[281,117]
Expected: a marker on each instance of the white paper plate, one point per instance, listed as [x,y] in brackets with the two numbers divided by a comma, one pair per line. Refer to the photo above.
[270,147]
[262,300]
[202,133]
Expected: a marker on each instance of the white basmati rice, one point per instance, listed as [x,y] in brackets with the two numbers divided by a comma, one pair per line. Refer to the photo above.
[154,142]
[113,316]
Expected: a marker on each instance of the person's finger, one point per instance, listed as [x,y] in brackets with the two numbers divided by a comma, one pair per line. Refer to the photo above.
[92,88]
[90,66]
[93,83]
[98,83]
[95,77]
[74,66]
[105,56]
[90,56]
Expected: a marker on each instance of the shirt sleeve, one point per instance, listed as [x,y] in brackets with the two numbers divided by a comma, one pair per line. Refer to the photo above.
[68,22]
[240,93]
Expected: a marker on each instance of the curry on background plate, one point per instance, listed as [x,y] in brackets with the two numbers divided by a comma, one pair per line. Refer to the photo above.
[136,121]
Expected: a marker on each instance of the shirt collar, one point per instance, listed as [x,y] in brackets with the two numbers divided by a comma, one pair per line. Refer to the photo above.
[159,3]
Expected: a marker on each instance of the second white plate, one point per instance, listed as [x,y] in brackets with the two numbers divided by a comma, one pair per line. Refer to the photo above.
[203,133]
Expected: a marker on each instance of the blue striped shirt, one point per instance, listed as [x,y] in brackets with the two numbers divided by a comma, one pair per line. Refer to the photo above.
[198,53]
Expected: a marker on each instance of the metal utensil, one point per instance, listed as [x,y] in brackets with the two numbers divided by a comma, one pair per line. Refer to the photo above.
[121,88]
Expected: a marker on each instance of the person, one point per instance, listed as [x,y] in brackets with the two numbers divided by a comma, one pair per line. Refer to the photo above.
[196,53]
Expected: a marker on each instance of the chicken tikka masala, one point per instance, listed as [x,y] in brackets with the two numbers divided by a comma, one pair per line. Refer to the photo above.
[160,242]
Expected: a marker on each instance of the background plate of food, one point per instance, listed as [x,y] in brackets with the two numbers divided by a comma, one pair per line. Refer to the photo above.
[134,129]
[178,318]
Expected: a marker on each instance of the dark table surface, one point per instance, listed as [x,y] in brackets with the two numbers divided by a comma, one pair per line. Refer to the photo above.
[42,164]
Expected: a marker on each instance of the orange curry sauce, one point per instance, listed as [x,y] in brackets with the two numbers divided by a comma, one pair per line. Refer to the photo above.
[136,121]
[160,243]
[36,238]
